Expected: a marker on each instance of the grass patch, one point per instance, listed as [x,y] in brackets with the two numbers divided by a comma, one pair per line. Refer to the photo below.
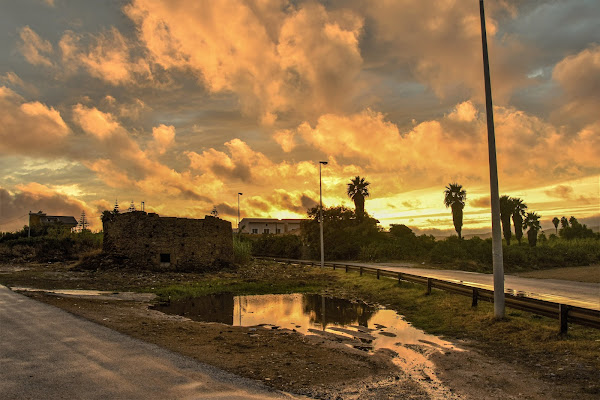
[531,337]
[235,286]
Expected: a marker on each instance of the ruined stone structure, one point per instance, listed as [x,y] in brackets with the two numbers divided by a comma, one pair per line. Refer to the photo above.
[154,242]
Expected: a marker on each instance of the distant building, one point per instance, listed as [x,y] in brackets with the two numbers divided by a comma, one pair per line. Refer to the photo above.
[168,243]
[255,226]
[41,219]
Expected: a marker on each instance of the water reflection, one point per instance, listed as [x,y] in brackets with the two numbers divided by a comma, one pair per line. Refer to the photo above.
[354,324]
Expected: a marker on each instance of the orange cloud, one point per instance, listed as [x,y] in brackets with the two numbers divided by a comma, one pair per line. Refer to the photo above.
[579,77]
[277,57]
[30,128]
[35,197]
[34,48]
[106,56]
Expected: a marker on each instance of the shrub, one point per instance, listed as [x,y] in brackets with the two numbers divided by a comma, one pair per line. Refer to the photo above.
[242,251]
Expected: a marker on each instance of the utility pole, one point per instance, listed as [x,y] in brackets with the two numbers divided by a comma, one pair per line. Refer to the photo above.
[29,225]
[497,259]
[321,214]
[83,221]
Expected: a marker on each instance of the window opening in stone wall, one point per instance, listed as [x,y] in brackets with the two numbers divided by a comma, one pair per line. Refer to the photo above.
[165,258]
[255,230]
[266,231]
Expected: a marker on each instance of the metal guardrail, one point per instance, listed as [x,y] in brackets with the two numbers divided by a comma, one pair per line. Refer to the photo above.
[563,312]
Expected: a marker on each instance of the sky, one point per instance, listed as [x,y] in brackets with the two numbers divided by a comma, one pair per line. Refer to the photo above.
[184,104]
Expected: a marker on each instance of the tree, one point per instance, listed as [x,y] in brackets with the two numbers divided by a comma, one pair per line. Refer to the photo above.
[455,197]
[506,211]
[357,191]
[564,222]
[556,221]
[575,231]
[532,223]
[518,213]
[342,235]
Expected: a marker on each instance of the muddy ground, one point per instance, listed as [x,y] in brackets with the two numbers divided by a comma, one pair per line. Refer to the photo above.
[289,361]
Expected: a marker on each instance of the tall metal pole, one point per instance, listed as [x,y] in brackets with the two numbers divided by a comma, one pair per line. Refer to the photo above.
[238,218]
[29,225]
[496,233]
[321,214]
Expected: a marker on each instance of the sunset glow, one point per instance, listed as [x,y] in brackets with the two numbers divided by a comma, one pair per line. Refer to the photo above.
[184,104]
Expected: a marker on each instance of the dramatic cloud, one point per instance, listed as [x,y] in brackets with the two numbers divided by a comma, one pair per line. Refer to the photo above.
[278,58]
[579,77]
[106,56]
[440,45]
[30,128]
[35,197]
[35,49]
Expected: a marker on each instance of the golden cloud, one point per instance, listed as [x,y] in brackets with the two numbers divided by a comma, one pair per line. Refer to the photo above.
[277,57]
[34,48]
[30,128]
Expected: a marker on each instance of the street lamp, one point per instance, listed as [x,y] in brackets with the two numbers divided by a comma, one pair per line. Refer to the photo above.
[497,261]
[238,218]
[321,213]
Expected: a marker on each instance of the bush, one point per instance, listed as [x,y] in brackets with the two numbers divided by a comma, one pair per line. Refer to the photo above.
[242,251]
[284,246]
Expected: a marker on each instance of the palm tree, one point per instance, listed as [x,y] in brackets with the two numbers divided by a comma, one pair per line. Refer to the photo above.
[455,197]
[357,191]
[532,222]
[556,221]
[506,211]
[518,213]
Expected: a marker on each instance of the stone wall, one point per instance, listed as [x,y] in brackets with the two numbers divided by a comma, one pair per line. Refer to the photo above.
[154,242]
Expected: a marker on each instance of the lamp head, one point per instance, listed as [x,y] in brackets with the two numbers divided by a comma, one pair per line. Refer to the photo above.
[240,194]
[323,162]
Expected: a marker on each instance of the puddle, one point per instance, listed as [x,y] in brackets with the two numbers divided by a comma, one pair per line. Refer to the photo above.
[355,324]
[97,294]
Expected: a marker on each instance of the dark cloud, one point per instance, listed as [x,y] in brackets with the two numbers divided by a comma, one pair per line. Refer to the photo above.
[480,202]
[307,202]
[14,207]
[226,210]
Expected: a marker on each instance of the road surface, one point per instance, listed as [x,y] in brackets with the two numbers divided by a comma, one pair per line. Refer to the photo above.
[46,353]
[579,294]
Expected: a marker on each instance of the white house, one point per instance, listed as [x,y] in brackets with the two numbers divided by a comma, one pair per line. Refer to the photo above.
[256,226]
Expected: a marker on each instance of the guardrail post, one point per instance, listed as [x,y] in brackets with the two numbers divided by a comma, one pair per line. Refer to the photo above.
[429,284]
[377,274]
[475,298]
[334,267]
[346,269]
[399,277]
[563,318]
[360,271]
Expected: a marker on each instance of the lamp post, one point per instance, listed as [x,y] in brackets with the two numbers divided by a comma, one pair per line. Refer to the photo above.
[497,260]
[238,218]
[321,213]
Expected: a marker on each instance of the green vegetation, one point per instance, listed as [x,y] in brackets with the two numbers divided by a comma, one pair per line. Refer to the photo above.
[48,244]
[242,251]
[572,229]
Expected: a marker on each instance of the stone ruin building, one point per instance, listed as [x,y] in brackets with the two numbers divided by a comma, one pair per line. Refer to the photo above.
[153,242]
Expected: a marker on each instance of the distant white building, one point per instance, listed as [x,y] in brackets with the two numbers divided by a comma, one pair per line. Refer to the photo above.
[255,226]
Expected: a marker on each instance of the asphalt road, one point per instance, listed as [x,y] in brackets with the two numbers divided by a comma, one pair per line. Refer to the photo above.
[46,353]
[579,294]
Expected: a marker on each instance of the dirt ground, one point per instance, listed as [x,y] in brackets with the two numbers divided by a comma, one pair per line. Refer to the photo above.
[589,273]
[307,365]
